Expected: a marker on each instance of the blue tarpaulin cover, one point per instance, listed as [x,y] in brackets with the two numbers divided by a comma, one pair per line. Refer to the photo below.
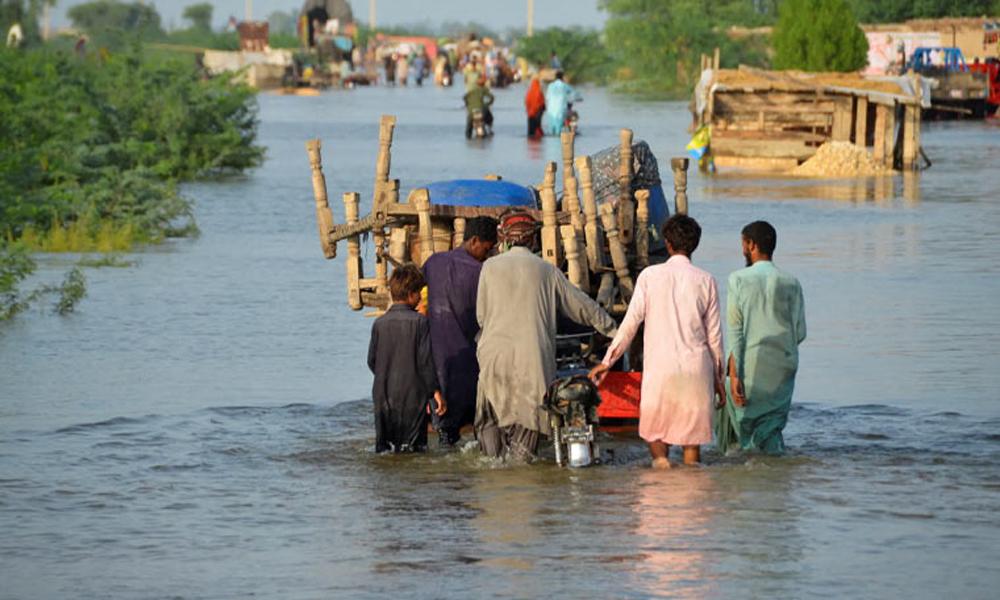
[480,192]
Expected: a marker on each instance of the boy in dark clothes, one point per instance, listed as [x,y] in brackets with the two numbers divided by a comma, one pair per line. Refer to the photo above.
[399,355]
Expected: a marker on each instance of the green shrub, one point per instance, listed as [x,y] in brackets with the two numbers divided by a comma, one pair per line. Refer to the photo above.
[96,146]
[818,35]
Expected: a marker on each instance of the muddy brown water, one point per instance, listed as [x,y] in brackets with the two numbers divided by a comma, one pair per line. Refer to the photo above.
[201,427]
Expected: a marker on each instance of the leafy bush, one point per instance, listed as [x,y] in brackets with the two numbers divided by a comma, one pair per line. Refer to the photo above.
[99,144]
[15,266]
[818,35]
[199,15]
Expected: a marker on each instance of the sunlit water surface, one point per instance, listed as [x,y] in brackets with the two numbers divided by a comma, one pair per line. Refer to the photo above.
[200,427]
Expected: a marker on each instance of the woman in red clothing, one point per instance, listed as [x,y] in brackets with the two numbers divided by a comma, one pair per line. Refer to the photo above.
[534,104]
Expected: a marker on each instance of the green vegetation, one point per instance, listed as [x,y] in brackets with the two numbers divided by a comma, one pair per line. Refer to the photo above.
[115,25]
[105,260]
[95,144]
[200,16]
[581,52]
[897,11]
[818,35]
[16,265]
[95,147]
[658,43]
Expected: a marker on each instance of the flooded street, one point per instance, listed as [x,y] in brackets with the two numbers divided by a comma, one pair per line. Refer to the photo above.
[201,426]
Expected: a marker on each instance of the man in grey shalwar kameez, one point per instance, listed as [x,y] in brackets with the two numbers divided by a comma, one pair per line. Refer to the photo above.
[519,298]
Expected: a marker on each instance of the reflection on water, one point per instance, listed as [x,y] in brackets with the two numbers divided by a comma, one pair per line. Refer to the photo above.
[675,513]
[888,191]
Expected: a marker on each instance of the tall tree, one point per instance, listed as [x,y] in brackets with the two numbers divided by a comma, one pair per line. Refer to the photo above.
[282,22]
[581,51]
[657,43]
[200,16]
[110,21]
[818,35]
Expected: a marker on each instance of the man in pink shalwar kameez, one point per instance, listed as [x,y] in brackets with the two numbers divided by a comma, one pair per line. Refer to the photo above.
[682,347]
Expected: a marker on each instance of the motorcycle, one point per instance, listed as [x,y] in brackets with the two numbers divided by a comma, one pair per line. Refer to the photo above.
[571,402]
[479,127]
[572,119]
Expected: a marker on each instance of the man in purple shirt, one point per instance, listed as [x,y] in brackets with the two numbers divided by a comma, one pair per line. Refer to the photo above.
[452,284]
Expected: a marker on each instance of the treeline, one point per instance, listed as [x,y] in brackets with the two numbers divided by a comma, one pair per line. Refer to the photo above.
[112,24]
[653,47]
[896,11]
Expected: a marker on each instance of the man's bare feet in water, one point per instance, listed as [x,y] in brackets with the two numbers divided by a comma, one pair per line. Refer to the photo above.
[661,463]
[659,453]
[692,455]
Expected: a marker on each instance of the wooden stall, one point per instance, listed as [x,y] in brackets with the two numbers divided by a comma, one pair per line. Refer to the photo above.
[775,120]
[600,248]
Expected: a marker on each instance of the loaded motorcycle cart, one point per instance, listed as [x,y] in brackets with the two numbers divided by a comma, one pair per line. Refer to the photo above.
[601,231]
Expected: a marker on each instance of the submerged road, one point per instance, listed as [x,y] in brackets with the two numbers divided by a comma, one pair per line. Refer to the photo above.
[201,426]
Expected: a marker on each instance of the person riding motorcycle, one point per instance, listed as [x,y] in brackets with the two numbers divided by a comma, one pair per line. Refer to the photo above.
[478,98]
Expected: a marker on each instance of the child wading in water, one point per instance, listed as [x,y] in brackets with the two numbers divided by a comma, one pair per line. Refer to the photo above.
[399,355]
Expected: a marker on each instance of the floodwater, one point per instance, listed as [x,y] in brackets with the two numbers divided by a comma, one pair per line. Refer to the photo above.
[200,427]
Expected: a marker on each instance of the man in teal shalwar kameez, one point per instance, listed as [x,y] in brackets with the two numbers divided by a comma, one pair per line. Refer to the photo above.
[766,323]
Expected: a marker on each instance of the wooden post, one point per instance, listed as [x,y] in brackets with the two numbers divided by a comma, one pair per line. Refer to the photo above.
[911,136]
[548,178]
[595,254]
[626,206]
[459,228]
[879,145]
[716,59]
[567,139]
[618,256]
[550,226]
[384,161]
[571,198]
[680,166]
[421,201]
[399,245]
[575,266]
[642,229]
[861,122]
[571,204]
[885,134]
[324,218]
[385,192]
[354,272]
[841,119]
